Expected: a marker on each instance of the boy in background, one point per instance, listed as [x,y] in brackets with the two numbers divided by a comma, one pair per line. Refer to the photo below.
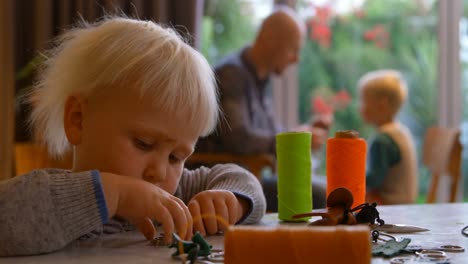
[391,175]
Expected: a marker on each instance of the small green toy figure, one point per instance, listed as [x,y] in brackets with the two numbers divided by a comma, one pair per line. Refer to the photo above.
[198,247]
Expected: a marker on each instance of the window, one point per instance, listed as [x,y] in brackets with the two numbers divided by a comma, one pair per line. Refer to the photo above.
[464,87]
[229,25]
[347,38]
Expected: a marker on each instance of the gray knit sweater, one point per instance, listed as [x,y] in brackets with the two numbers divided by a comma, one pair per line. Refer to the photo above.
[45,210]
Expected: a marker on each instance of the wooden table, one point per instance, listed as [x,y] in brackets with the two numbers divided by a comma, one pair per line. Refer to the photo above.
[445,222]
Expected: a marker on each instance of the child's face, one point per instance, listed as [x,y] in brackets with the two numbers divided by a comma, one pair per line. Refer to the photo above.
[369,107]
[123,134]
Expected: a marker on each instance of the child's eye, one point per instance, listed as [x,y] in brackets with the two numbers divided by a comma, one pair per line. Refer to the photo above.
[141,144]
[174,159]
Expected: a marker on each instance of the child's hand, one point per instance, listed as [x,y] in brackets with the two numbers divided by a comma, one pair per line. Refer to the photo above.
[323,121]
[208,207]
[319,135]
[319,138]
[141,202]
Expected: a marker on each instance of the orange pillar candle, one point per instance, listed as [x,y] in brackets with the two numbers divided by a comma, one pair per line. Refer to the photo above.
[346,164]
[297,244]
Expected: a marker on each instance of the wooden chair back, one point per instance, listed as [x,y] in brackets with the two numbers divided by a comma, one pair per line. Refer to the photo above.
[253,163]
[29,156]
[442,153]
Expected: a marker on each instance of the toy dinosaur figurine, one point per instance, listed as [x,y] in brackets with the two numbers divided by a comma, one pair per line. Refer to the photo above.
[197,247]
[339,211]
[368,214]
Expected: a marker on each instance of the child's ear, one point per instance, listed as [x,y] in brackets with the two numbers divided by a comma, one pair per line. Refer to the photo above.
[73,119]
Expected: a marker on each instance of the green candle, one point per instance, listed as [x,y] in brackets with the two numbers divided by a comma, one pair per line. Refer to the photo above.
[294,174]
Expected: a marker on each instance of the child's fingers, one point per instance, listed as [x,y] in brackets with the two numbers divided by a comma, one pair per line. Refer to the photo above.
[164,216]
[232,206]
[194,208]
[208,211]
[186,231]
[178,216]
[222,213]
[147,228]
[189,222]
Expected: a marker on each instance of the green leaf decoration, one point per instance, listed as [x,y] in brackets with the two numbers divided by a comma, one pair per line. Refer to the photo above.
[390,248]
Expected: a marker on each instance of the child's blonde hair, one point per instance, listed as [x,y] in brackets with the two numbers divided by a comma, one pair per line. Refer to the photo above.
[387,84]
[119,53]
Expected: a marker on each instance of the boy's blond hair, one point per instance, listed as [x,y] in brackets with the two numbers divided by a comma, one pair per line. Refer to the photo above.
[124,53]
[387,84]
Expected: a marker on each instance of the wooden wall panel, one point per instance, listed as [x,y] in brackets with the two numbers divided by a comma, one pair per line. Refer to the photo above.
[6,89]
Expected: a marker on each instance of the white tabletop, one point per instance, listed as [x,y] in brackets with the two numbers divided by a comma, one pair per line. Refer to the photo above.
[445,222]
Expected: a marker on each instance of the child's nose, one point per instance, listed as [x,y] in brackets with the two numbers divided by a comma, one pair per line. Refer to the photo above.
[155,173]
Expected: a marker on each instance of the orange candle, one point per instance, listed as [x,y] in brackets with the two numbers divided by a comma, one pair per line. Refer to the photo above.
[346,164]
[297,244]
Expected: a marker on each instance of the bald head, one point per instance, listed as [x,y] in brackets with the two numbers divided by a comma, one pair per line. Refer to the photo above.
[279,39]
[282,22]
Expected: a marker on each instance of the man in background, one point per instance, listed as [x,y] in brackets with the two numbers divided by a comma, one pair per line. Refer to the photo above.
[245,96]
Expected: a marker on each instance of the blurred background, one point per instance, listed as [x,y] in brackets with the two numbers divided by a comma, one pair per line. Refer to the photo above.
[347,38]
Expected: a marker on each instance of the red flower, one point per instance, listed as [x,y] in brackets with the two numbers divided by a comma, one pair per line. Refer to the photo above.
[378,34]
[341,100]
[369,35]
[322,14]
[320,33]
[360,13]
[320,106]
[319,29]
[327,105]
